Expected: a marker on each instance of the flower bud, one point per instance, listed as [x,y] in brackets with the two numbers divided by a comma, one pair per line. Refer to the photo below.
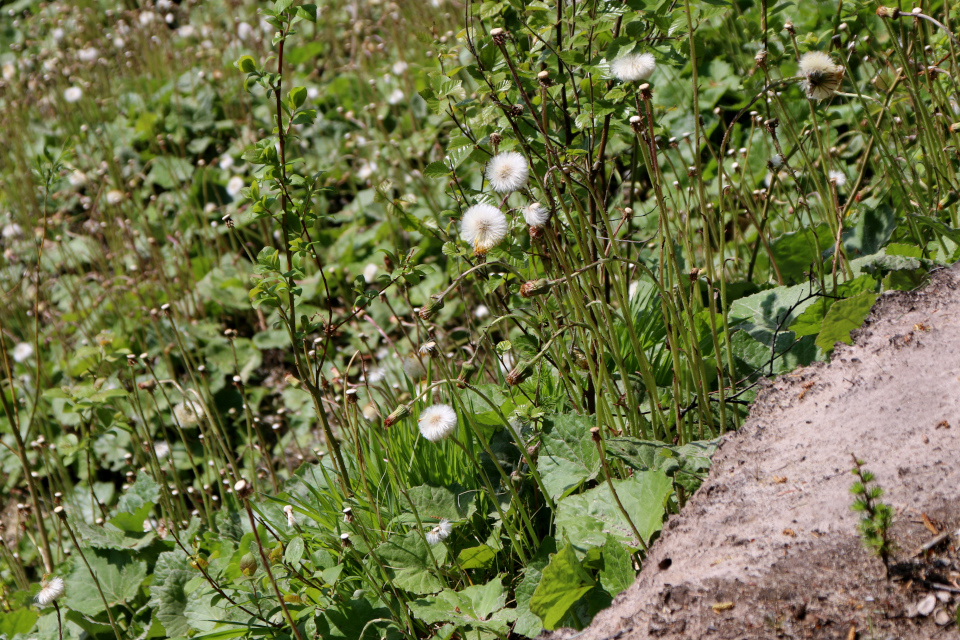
[398,414]
[888,12]
[466,372]
[430,308]
[537,287]
[519,373]
[248,564]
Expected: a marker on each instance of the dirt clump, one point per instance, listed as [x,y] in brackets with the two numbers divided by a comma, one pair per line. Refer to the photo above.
[768,546]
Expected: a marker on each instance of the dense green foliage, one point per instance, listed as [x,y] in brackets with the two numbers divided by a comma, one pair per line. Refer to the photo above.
[367,320]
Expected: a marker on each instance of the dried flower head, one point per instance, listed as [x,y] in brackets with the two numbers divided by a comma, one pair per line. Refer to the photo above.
[50,591]
[633,67]
[507,171]
[437,422]
[535,214]
[440,532]
[483,226]
[821,77]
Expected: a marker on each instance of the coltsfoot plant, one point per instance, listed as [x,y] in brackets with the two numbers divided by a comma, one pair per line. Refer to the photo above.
[382,319]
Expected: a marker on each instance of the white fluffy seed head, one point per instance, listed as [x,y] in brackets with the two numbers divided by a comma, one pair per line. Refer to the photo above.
[22,352]
[483,226]
[188,413]
[234,185]
[51,590]
[413,367]
[633,67]
[837,177]
[440,532]
[437,422]
[507,171]
[535,214]
[72,94]
[821,77]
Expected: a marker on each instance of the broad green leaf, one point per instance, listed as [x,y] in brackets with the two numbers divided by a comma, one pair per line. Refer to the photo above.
[587,518]
[480,557]
[795,252]
[15,622]
[568,457]
[842,318]
[436,170]
[144,490]
[564,582]
[119,575]
[528,624]
[167,596]
[409,560]
[170,172]
[617,573]
[434,502]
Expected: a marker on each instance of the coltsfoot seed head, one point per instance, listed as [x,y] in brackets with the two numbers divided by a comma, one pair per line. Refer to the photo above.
[484,226]
[821,77]
[633,67]
[437,422]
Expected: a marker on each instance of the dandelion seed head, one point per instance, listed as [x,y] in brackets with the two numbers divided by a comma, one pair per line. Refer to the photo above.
[413,367]
[440,532]
[821,77]
[114,197]
[837,177]
[370,273]
[72,94]
[507,171]
[535,214]
[22,352]
[437,422]
[633,67]
[234,185]
[162,449]
[481,312]
[50,591]
[483,226]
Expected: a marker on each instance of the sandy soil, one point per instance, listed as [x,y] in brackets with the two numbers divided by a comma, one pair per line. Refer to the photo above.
[768,547]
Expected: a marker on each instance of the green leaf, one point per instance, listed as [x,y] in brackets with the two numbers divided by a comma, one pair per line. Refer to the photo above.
[167,595]
[564,582]
[297,96]
[568,456]
[795,252]
[20,621]
[480,557]
[477,606]
[246,64]
[842,318]
[435,502]
[528,624]
[144,490]
[871,232]
[436,170]
[617,573]
[294,551]
[586,519]
[169,172]
[119,575]
[408,559]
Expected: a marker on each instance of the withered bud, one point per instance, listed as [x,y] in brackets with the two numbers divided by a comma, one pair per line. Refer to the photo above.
[495,139]
[761,59]
[595,434]
[345,540]
[888,12]
[398,414]
[61,513]
[544,79]
[537,287]
[516,110]
[788,27]
[695,274]
[645,92]
[347,515]
[387,264]
[351,396]
[771,125]
[636,123]
[147,385]
[430,308]
[499,36]
[466,372]
[519,373]
[535,232]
